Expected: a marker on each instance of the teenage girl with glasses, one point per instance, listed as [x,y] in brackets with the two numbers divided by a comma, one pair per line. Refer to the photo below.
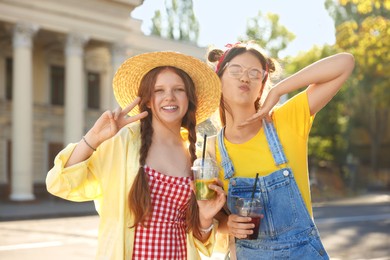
[274,144]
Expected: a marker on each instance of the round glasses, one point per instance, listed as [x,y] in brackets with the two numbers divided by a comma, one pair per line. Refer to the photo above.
[237,71]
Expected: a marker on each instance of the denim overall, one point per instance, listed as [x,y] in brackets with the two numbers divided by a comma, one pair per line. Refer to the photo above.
[287,230]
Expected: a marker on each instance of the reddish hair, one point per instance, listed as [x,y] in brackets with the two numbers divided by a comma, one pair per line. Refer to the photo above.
[139,194]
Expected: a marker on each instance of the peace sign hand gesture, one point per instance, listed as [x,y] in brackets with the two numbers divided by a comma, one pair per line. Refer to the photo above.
[110,122]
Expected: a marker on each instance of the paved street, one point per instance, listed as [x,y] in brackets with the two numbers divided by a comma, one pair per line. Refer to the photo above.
[51,239]
[350,230]
[356,232]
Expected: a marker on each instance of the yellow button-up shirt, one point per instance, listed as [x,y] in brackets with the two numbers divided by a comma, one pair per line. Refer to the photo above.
[106,178]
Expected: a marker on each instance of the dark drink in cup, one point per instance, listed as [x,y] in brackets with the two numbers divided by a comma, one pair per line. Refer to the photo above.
[256,221]
[250,207]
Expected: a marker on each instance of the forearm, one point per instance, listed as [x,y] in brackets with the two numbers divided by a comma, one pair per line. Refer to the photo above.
[83,150]
[206,226]
[322,71]
[324,78]
[208,209]
[222,219]
[72,183]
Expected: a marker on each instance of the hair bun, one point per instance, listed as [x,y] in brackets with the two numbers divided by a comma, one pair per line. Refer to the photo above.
[215,55]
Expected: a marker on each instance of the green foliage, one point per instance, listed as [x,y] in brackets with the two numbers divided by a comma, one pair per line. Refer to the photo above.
[319,148]
[362,28]
[327,138]
[327,142]
[157,23]
[178,22]
[268,33]
[358,117]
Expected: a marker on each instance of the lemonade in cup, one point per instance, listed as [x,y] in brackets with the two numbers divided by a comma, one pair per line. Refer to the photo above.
[205,173]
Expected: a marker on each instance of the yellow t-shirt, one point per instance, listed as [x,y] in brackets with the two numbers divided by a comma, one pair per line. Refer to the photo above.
[293,122]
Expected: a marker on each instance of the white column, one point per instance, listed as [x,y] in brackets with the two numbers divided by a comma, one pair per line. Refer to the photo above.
[74,88]
[118,55]
[2,76]
[22,183]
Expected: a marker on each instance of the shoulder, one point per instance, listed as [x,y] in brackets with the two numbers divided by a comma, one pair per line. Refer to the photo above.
[294,115]
[211,142]
[299,99]
[131,130]
[210,146]
[294,108]
[129,133]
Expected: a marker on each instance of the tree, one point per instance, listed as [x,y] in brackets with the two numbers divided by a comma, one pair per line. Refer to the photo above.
[178,22]
[362,28]
[268,33]
[325,143]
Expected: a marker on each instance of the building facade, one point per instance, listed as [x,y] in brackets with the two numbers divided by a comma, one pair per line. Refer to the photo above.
[57,61]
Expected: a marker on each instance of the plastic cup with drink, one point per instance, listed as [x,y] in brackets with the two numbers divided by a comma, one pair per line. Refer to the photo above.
[205,173]
[250,207]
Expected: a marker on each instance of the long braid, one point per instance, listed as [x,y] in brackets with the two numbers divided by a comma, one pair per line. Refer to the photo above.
[139,195]
[193,223]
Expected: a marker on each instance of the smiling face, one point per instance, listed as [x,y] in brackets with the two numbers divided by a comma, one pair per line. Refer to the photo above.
[242,90]
[169,101]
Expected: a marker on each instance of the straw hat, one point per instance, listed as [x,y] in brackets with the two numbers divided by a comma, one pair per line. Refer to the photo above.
[128,77]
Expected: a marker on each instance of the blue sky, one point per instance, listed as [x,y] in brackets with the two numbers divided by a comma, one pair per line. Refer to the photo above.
[223,21]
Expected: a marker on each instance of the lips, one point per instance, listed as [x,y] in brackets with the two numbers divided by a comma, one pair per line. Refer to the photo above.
[170,108]
[244,87]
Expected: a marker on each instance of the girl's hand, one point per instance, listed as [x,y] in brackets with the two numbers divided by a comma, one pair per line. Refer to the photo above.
[266,109]
[110,122]
[209,208]
[240,227]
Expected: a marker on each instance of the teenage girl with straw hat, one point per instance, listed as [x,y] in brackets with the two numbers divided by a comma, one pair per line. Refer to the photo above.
[139,173]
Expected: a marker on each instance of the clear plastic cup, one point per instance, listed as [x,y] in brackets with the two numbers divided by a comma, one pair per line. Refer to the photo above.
[248,207]
[205,173]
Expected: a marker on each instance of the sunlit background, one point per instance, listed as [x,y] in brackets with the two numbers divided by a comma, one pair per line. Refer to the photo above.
[222,22]
[57,61]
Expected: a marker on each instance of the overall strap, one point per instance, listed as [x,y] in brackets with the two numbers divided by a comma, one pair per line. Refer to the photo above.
[274,144]
[226,163]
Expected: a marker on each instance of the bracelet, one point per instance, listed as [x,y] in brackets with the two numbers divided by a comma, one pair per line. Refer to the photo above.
[206,230]
[90,146]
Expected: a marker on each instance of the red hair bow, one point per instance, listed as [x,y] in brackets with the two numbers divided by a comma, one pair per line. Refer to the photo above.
[229,46]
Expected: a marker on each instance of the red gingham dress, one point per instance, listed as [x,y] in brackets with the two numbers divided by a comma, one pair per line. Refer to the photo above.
[164,235]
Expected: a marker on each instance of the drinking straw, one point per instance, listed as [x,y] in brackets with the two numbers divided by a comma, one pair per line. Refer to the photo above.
[204,149]
[253,193]
[254,187]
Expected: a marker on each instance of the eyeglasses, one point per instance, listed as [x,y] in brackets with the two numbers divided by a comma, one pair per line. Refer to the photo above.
[237,71]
